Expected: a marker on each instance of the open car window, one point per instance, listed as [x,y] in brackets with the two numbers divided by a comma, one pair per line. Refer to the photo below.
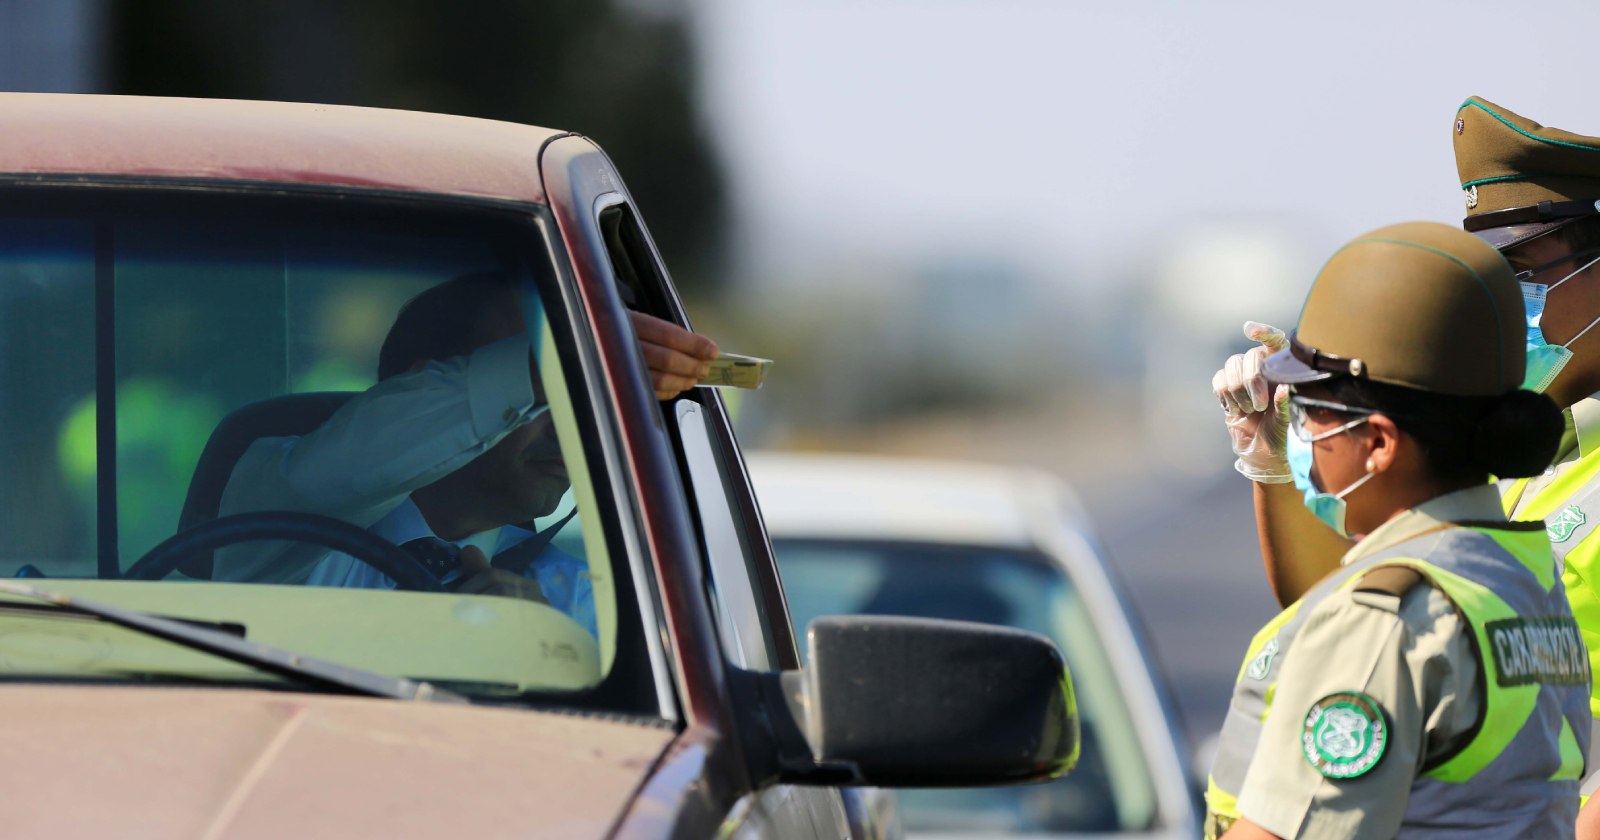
[161,368]
[741,605]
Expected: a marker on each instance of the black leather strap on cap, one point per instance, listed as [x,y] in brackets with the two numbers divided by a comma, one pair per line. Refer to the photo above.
[1326,362]
[1544,211]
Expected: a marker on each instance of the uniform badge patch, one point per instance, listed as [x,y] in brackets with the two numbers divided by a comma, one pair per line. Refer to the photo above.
[1561,524]
[1344,735]
[1263,662]
[1472,196]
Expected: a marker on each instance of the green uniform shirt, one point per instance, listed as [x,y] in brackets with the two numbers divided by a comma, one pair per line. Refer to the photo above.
[1413,655]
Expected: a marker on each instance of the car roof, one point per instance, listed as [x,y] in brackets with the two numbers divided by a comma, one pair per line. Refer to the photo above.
[890,498]
[93,136]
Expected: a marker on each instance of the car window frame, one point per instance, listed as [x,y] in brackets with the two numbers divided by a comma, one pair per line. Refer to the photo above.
[578,353]
[533,226]
[644,284]
[733,588]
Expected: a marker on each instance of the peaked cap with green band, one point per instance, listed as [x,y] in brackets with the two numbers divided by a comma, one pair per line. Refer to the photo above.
[1422,305]
[1521,178]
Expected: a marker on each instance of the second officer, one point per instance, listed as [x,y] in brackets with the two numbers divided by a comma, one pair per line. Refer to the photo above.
[1435,685]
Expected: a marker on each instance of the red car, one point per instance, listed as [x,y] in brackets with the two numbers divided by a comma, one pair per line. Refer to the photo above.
[288,556]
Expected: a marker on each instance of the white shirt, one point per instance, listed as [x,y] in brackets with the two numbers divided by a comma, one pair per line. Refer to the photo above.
[563,579]
[402,525]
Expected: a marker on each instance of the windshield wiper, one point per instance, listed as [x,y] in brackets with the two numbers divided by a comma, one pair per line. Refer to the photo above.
[283,663]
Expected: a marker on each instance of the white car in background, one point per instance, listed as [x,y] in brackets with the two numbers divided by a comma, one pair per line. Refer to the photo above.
[876,535]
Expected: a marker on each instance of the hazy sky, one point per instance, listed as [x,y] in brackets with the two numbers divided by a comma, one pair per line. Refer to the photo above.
[1098,139]
[1077,133]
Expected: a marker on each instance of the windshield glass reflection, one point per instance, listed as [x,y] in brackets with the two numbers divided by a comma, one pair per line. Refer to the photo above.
[162,369]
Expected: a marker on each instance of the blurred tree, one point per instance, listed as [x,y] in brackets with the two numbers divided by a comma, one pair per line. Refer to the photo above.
[614,72]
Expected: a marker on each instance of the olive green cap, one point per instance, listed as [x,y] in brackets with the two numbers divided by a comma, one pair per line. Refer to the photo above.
[1521,179]
[1421,305]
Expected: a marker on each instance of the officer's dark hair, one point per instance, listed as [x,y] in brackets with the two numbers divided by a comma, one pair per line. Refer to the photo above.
[1580,234]
[1465,439]
[442,322]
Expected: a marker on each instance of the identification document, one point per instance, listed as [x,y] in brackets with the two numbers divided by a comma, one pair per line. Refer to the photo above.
[731,370]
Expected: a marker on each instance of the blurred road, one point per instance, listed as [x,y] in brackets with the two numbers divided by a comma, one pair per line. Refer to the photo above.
[1191,565]
[1183,542]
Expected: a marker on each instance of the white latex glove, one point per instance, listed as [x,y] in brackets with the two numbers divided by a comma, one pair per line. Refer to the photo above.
[1257,418]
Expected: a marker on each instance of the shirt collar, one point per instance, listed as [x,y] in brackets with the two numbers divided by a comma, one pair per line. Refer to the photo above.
[1583,424]
[406,523]
[403,524]
[1474,504]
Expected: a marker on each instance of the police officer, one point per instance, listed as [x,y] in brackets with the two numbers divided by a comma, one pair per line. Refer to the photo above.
[1435,684]
[1532,193]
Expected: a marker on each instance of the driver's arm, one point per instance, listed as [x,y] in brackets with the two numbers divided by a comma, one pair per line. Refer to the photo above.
[414,428]
[401,434]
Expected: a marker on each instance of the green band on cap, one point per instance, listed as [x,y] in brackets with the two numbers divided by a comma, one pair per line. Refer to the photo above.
[1523,177]
[1523,132]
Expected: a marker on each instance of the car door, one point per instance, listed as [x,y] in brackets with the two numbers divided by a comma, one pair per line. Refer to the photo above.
[751,619]
[705,486]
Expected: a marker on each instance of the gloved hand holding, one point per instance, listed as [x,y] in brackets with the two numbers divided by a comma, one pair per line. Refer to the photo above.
[1257,417]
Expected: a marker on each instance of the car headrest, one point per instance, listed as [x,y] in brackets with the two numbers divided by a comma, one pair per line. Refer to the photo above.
[288,415]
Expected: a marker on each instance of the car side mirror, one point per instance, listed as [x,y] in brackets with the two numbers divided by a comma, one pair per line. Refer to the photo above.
[913,702]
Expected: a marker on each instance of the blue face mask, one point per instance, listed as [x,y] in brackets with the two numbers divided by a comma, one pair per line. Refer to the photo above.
[1328,507]
[1545,360]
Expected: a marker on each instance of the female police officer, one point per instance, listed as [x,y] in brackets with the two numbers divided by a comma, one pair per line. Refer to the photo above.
[1435,685]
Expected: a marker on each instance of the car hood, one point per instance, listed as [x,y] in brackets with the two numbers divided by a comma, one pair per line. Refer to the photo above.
[215,763]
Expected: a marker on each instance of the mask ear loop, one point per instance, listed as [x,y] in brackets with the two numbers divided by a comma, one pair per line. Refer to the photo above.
[1353,485]
[1547,290]
[1597,318]
[1581,332]
[1345,428]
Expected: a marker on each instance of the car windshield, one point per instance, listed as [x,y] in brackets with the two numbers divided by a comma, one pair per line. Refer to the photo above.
[173,360]
[1111,789]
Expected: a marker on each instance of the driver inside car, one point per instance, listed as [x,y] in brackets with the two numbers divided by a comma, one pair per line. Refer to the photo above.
[451,455]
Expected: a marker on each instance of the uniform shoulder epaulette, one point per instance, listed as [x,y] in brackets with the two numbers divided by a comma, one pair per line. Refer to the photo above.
[1390,580]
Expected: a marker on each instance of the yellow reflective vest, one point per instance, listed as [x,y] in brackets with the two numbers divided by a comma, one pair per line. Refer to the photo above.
[1567,498]
[1503,582]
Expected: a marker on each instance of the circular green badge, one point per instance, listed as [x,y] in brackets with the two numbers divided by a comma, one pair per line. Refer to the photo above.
[1344,735]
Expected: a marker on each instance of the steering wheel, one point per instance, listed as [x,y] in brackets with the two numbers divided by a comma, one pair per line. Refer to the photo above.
[377,552]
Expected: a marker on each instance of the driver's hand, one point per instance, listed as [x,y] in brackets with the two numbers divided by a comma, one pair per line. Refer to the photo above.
[676,357]
[483,579]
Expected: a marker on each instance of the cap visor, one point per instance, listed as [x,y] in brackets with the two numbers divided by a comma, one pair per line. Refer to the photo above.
[1510,235]
[1282,368]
